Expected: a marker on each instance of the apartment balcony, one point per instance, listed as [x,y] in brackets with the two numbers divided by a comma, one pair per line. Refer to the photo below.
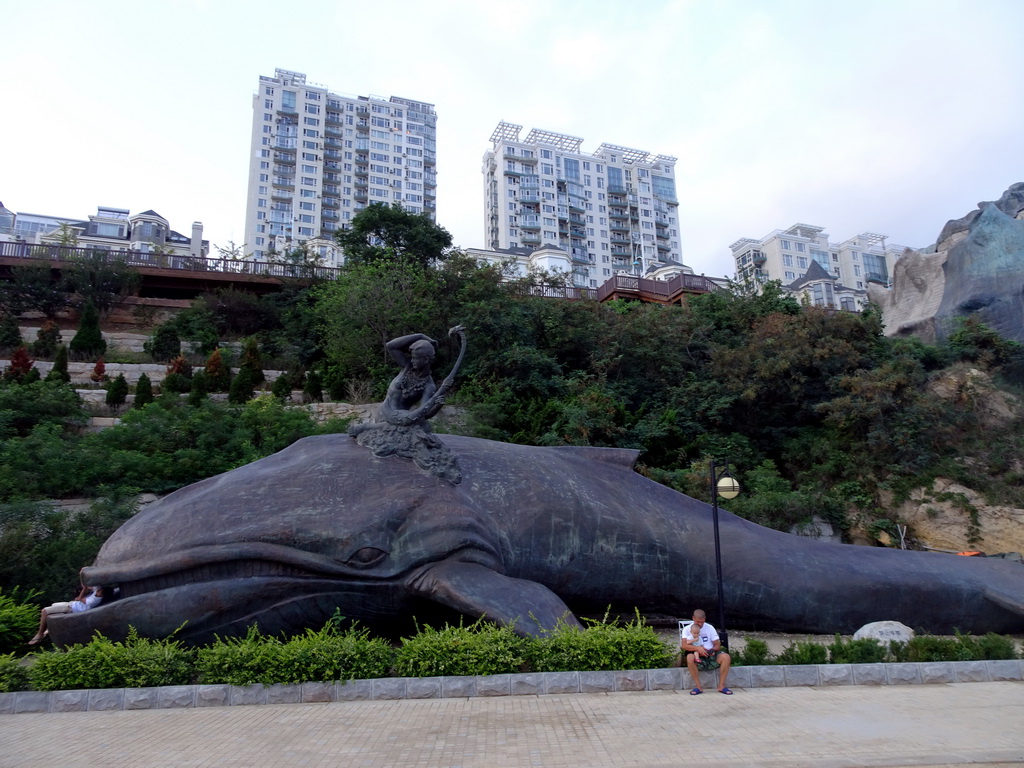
[331,189]
[580,255]
[429,158]
[529,222]
[331,202]
[661,233]
[530,238]
[616,189]
[330,215]
[620,263]
[332,142]
[360,195]
[619,226]
[661,219]
[621,252]
[334,154]
[577,204]
[430,193]
[618,213]
[284,170]
[282,193]
[563,212]
[663,247]
[283,110]
[528,197]
[284,157]
[563,228]
[576,218]
[512,172]
[759,258]
[333,118]
[529,182]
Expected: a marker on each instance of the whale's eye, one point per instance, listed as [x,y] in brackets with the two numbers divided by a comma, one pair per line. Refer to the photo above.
[367,556]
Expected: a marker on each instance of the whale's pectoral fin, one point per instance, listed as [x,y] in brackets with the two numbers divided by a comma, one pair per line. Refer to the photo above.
[1011,601]
[477,590]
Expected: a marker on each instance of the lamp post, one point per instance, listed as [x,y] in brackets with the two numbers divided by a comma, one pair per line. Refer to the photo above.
[727,487]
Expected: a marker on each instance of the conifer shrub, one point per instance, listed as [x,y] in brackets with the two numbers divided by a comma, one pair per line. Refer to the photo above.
[59,371]
[47,340]
[164,344]
[197,394]
[252,361]
[242,386]
[117,392]
[10,333]
[143,391]
[179,376]
[282,389]
[218,375]
[88,341]
[99,371]
[312,388]
[32,376]
[20,365]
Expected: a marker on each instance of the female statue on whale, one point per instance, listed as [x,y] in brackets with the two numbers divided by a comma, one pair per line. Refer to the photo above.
[401,426]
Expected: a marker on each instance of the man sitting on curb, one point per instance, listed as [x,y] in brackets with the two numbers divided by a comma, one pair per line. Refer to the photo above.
[704,652]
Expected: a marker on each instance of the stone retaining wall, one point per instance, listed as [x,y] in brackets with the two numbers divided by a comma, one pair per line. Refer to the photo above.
[526,684]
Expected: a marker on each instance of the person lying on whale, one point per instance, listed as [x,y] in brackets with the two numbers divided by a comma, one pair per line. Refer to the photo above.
[88,597]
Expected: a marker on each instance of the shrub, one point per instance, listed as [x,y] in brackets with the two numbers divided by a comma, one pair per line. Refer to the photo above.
[755,653]
[21,365]
[240,660]
[218,375]
[803,652]
[282,389]
[312,389]
[13,675]
[481,648]
[135,663]
[242,387]
[143,391]
[252,361]
[164,344]
[19,618]
[866,650]
[117,392]
[59,372]
[99,371]
[10,333]
[603,645]
[197,394]
[993,646]
[47,340]
[931,648]
[88,341]
[175,384]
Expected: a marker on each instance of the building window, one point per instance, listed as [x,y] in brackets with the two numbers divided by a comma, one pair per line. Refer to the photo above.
[787,260]
[801,262]
[288,100]
[790,276]
[801,247]
[785,245]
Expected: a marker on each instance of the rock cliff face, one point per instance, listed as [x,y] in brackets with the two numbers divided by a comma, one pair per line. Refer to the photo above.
[975,268]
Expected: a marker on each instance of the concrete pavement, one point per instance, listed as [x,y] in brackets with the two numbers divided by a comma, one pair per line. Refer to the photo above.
[919,725]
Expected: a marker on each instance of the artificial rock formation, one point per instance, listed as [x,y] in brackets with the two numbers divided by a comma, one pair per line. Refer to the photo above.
[975,268]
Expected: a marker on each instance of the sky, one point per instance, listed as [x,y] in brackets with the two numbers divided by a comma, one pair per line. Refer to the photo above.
[886,116]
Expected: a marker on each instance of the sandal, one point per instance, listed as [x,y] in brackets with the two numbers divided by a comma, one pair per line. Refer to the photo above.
[696,692]
[726,691]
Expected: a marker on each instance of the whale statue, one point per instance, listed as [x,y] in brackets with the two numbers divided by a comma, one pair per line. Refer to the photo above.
[529,535]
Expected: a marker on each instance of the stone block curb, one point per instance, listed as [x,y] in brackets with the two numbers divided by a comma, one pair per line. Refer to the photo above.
[523,684]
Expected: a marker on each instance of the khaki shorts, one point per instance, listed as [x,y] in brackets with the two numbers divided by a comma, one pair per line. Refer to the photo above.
[50,610]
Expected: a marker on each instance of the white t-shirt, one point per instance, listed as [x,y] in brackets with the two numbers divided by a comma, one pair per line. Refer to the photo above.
[90,601]
[708,636]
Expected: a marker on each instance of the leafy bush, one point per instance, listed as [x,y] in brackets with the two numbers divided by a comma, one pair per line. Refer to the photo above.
[803,652]
[755,653]
[10,333]
[327,654]
[866,650]
[603,645]
[19,619]
[931,648]
[135,663]
[47,340]
[14,675]
[993,646]
[480,649]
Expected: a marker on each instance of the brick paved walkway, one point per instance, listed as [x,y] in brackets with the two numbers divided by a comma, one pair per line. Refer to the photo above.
[920,725]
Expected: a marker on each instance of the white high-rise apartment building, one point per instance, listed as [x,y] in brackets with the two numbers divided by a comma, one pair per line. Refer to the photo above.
[613,210]
[320,157]
[803,259]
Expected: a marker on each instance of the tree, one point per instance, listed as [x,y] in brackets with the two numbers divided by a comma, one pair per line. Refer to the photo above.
[252,362]
[179,376]
[88,342]
[143,391]
[59,372]
[99,371]
[100,278]
[199,390]
[34,289]
[117,392]
[242,386]
[312,389]
[282,388]
[386,233]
